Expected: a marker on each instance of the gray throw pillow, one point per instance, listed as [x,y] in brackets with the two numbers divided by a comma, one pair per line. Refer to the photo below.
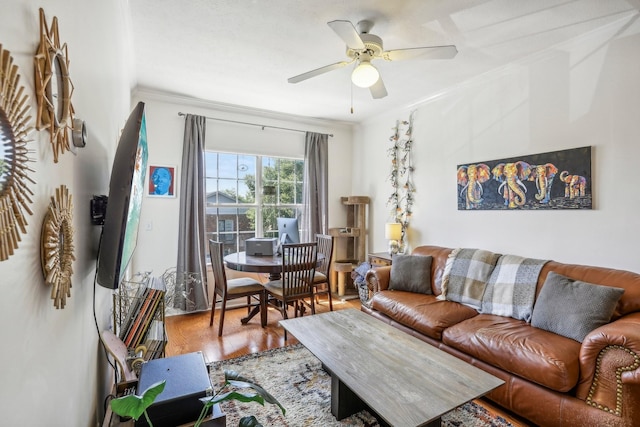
[572,308]
[411,273]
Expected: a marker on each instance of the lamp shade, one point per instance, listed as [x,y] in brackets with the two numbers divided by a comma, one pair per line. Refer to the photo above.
[365,75]
[393,231]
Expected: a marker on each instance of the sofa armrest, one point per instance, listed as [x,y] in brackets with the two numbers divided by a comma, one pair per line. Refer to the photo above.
[610,366]
[377,279]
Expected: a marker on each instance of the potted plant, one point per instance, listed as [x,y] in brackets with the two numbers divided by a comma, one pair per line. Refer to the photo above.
[135,406]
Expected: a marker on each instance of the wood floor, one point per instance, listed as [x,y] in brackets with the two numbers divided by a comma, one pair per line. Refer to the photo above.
[191,332]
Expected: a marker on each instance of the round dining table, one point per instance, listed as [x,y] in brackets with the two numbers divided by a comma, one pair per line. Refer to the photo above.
[271,264]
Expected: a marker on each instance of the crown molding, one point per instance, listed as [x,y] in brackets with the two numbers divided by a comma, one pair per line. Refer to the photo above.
[174,98]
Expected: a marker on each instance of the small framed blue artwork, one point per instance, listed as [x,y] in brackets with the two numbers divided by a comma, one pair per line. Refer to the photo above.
[554,180]
[162,181]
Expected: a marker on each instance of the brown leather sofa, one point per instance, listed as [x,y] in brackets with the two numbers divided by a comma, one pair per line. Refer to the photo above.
[550,380]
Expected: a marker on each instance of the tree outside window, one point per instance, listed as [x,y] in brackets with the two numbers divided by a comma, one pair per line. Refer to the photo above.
[236,209]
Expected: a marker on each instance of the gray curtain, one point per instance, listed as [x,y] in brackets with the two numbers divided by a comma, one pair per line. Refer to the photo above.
[316,162]
[191,277]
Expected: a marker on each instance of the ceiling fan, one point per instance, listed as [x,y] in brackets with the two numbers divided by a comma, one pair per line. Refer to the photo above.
[364,47]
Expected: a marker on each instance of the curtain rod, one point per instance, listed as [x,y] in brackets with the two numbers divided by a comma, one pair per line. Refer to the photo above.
[251,124]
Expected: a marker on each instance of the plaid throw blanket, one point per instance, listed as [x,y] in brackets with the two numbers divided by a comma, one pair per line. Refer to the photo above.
[511,289]
[466,274]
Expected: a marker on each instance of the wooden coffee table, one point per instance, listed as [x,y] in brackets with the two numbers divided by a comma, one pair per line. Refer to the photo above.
[377,367]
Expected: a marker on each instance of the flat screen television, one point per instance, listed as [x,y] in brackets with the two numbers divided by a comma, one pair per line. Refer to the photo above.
[288,230]
[122,216]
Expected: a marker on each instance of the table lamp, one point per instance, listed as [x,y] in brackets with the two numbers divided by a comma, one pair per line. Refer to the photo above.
[393,233]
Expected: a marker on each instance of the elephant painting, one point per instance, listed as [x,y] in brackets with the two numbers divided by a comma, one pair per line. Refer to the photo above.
[471,178]
[543,176]
[575,185]
[507,183]
[510,175]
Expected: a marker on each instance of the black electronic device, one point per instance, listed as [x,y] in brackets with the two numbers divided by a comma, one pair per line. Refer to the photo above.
[187,380]
[122,216]
[98,206]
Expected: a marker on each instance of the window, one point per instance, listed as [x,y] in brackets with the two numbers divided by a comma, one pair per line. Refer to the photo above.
[245,194]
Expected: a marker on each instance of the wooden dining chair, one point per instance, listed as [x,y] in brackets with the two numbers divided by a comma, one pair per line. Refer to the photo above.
[298,268]
[233,288]
[321,279]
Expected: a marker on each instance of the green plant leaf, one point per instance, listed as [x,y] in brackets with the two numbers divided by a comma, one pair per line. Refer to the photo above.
[234,379]
[250,421]
[231,375]
[232,395]
[237,380]
[134,406]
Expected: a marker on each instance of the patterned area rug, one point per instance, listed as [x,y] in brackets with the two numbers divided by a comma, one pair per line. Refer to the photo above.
[296,378]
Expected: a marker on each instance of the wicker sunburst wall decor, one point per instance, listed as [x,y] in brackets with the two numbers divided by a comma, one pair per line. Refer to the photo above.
[56,250]
[15,127]
[53,87]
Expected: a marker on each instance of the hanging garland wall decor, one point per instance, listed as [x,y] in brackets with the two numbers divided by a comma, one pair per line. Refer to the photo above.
[15,127]
[401,176]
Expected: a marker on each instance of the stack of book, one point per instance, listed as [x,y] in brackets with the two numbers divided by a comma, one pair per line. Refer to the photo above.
[155,340]
[143,323]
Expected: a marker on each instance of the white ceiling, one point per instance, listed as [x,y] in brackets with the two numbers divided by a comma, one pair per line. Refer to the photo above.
[241,52]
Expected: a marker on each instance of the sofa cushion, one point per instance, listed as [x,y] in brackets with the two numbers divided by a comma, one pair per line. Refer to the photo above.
[573,308]
[423,313]
[515,346]
[411,273]
[440,256]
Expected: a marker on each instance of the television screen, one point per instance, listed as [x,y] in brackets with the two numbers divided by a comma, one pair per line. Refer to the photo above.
[126,187]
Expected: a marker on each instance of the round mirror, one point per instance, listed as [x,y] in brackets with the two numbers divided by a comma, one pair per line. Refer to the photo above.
[6,141]
[56,249]
[57,91]
[15,195]
[53,87]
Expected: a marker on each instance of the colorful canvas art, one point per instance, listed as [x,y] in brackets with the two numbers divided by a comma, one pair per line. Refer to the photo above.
[554,180]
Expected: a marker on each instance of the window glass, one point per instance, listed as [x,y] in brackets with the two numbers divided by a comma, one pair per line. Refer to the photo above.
[245,195]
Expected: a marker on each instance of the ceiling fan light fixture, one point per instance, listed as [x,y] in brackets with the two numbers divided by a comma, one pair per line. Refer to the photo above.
[365,75]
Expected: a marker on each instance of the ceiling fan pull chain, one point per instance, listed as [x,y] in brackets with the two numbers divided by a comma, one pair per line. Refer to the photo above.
[351,87]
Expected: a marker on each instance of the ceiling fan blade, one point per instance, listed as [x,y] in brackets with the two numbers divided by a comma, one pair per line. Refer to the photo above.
[317,71]
[433,52]
[347,32]
[378,90]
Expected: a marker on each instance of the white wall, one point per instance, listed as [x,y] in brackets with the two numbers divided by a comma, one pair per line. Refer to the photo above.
[165,131]
[52,370]
[584,93]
